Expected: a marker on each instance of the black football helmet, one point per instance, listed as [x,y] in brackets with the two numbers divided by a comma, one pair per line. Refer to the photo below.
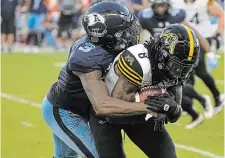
[177,51]
[112,26]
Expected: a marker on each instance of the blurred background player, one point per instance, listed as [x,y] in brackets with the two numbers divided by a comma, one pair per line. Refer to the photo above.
[77,27]
[68,8]
[189,94]
[8,29]
[36,16]
[198,16]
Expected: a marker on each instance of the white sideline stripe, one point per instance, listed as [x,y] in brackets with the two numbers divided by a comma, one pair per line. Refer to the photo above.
[25,123]
[199,151]
[220,82]
[19,100]
[178,124]
[180,146]
[59,64]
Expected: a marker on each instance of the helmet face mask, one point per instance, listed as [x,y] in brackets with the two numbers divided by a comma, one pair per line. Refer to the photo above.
[178,51]
[177,69]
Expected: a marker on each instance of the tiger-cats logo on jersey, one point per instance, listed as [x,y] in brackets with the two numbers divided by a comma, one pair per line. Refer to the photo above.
[170,40]
[129,59]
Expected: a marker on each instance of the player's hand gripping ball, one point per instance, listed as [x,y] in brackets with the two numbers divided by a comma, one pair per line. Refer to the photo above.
[148,91]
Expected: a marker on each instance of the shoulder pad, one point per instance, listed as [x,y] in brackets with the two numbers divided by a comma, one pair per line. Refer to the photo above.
[134,64]
[85,58]
[146,13]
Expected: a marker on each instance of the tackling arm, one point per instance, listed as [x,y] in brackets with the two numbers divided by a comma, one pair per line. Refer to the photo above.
[124,90]
[102,103]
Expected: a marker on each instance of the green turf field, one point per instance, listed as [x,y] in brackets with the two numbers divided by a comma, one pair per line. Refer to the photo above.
[25,135]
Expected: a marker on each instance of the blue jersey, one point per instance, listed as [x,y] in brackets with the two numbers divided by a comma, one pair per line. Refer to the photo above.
[37,6]
[155,25]
[68,92]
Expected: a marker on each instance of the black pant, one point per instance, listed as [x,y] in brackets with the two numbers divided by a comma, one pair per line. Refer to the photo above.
[202,73]
[8,25]
[108,139]
[65,24]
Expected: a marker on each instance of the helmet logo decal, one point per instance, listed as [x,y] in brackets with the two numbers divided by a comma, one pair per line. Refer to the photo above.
[96,25]
[170,41]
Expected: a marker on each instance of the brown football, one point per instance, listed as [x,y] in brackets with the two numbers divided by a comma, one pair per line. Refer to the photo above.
[148,91]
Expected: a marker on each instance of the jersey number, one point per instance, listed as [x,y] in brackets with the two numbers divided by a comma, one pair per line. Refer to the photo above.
[142,55]
[87,47]
[195,19]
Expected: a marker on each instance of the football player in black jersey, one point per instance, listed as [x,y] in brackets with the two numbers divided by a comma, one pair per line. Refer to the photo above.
[158,17]
[172,57]
[110,28]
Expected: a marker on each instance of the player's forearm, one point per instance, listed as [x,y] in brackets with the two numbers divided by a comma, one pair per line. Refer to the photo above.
[102,103]
[115,107]
[203,41]
[216,10]
[220,24]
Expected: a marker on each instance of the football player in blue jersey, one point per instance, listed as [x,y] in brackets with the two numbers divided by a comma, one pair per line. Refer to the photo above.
[110,28]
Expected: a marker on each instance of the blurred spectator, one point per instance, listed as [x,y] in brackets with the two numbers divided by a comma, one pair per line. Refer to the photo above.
[53,22]
[8,9]
[68,9]
[47,28]
[139,5]
[78,30]
[37,11]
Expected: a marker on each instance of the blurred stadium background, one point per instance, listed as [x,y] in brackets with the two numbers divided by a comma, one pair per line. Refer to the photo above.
[32,64]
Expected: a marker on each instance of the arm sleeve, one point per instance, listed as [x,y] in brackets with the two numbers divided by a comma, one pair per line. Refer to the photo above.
[130,68]
[176,92]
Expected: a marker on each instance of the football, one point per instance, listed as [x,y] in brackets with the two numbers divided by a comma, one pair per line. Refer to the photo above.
[148,91]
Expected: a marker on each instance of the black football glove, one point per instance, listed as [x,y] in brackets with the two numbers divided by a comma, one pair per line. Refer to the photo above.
[160,120]
[164,104]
